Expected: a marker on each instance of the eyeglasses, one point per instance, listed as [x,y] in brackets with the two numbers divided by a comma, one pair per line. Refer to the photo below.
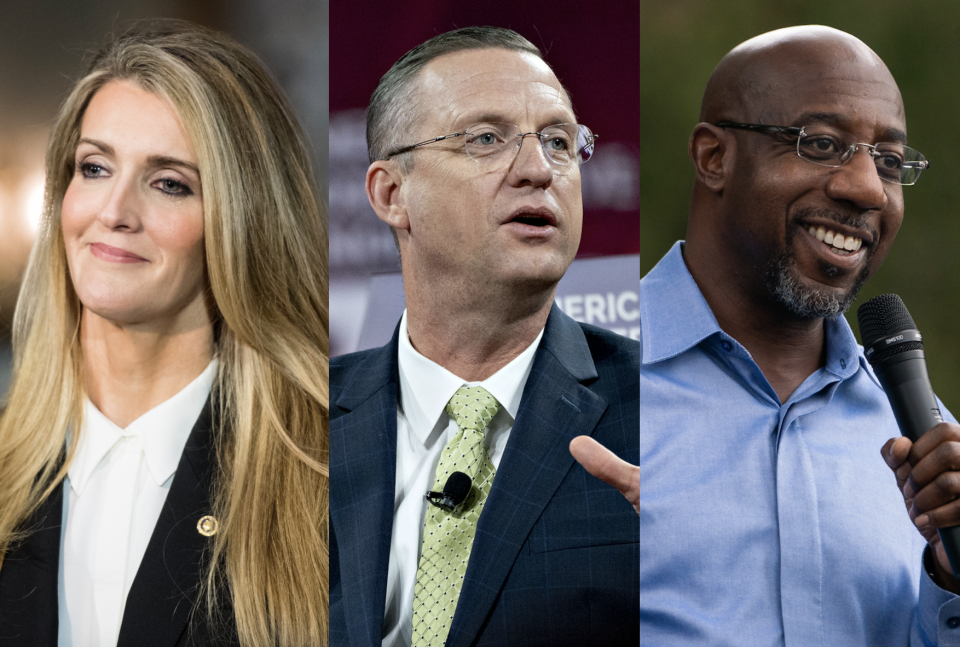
[896,163]
[492,142]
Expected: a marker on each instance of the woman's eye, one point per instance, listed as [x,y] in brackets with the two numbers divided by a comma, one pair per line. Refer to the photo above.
[173,187]
[90,170]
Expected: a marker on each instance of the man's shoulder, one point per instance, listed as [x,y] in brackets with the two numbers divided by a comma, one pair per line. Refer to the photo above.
[346,371]
[610,346]
[352,360]
[343,365]
[616,360]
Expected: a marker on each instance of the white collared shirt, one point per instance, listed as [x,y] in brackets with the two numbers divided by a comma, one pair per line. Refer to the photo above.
[112,496]
[423,429]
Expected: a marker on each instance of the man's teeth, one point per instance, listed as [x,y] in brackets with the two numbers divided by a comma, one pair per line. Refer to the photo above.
[841,244]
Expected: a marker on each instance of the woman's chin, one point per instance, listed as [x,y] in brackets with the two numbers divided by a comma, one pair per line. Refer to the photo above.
[120,313]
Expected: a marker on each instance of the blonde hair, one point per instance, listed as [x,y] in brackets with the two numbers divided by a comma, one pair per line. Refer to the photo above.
[266,242]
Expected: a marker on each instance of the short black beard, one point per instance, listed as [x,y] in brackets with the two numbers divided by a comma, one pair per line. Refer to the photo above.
[787,288]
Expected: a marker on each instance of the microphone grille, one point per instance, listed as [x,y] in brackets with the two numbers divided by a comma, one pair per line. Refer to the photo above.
[882,316]
[457,487]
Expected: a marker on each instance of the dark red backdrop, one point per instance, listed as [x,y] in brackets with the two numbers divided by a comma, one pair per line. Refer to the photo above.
[593,48]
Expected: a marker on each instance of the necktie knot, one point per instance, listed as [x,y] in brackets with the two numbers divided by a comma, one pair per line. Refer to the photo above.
[472,407]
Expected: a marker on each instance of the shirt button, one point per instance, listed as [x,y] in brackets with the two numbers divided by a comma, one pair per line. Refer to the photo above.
[953,622]
[843,363]
[727,346]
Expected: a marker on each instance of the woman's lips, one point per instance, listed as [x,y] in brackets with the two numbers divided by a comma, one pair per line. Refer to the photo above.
[112,254]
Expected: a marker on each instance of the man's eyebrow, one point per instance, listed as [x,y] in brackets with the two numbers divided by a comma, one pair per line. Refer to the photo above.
[495,117]
[487,117]
[840,121]
[153,160]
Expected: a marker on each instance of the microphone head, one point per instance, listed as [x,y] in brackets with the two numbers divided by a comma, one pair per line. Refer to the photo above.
[457,487]
[883,316]
[882,320]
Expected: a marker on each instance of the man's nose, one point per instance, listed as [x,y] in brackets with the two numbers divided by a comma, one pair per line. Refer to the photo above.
[531,165]
[858,182]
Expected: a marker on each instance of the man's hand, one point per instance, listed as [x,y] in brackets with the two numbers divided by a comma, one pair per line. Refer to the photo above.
[608,467]
[928,477]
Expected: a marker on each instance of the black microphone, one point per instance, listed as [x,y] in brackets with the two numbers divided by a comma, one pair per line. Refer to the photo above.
[455,492]
[894,347]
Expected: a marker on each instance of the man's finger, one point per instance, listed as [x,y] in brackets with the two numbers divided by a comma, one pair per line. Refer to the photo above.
[933,438]
[608,467]
[895,452]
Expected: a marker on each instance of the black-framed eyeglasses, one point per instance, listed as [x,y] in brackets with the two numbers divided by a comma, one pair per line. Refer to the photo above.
[896,163]
[489,142]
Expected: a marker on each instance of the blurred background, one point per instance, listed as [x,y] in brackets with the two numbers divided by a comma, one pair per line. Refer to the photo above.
[681,42]
[594,54]
[44,45]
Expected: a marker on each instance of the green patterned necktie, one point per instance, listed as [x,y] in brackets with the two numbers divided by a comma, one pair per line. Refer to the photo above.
[448,535]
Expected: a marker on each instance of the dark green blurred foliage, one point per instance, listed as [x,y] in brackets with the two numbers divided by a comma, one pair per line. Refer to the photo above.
[680,43]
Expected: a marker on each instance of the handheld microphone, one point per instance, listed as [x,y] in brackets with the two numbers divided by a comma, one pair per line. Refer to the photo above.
[454,493]
[893,346]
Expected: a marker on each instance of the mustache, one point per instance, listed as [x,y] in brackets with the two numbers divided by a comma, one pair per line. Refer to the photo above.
[855,221]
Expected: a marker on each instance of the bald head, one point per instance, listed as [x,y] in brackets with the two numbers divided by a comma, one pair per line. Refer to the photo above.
[754,81]
[759,206]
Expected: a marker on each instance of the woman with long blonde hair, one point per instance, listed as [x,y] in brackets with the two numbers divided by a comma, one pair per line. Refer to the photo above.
[164,449]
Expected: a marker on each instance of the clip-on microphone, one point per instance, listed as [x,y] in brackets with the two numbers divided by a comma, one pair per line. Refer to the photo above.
[455,492]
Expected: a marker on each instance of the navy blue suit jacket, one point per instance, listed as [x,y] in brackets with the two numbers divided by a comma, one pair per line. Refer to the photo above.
[555,558]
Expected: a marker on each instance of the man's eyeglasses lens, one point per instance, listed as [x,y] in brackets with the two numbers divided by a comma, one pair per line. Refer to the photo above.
[895,162]
[562,143]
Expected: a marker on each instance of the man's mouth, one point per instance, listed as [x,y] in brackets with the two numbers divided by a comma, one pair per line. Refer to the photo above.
[838,243]
[536,221]
[534,217]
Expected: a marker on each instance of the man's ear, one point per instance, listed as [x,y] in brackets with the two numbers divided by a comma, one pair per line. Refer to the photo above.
[383,190]
[712,151]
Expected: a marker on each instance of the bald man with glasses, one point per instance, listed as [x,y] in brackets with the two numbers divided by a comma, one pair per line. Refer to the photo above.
[475,158]
[768,512]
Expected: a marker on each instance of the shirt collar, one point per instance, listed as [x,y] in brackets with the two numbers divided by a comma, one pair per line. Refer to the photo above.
[163,432]
[674,313]
[426,387]
[676,318]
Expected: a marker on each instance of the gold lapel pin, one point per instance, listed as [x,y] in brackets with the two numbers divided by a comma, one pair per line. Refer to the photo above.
[207,526]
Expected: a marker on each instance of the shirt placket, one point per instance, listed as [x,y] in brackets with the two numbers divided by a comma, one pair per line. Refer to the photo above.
[115,534]
[798,518]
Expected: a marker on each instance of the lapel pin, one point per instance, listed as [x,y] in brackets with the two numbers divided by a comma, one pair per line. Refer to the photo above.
[207,526]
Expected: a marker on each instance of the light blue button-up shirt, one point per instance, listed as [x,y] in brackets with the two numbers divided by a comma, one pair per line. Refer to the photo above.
[765,523]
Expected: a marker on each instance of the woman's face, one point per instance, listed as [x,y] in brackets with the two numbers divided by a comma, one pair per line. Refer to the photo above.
[133,213]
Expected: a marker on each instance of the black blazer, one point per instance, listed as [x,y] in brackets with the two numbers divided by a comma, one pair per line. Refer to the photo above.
[160,606]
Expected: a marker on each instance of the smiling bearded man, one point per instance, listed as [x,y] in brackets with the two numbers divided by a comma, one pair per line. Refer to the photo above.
[768,516]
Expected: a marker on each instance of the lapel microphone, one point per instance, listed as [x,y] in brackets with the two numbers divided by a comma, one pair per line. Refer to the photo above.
[455,492]
[893,346]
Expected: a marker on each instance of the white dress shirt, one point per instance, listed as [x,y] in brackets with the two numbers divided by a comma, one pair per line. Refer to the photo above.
[423,429]
[112,496]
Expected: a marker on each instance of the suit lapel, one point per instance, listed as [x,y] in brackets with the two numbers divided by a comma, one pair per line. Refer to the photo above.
[363,462]
[164,590]
[554,409]
[29,603]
